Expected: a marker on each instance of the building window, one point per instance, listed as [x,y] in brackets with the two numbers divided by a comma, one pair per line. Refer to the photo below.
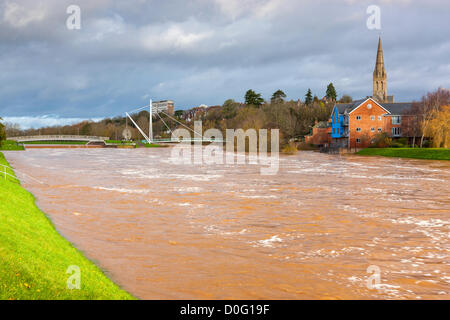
[379,118]
[379,129]
[372,129]
[358,117]
[369,106]
[372,118]
[396,120]
[396,131]
[358,129]
[358,140]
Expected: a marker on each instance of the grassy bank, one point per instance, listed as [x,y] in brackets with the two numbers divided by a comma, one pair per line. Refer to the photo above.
[154,145]
[34,258]
[413,153]
[10,145]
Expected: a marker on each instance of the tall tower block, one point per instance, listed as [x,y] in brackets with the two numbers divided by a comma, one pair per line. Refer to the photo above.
[380,77]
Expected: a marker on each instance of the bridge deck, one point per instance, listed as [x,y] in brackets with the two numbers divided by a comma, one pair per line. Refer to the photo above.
[58,138]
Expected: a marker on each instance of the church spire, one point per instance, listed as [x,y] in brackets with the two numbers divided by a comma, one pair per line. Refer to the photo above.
[379,65]
[379,76]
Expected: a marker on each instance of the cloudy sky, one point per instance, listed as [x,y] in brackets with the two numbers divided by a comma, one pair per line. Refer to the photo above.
[206,51]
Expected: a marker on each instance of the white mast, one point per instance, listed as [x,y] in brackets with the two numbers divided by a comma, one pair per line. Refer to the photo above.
[150,127]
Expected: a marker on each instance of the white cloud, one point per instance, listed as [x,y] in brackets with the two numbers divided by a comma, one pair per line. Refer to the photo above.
[174,36]
[18,16]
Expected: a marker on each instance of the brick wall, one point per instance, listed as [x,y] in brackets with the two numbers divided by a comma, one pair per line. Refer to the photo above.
[371,116]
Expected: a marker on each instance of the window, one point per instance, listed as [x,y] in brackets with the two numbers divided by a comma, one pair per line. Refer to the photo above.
[396,120]
[358,140]
[379,129]
[396,131]
[379,118]
[372,118]
[358,129]
[372,129]
[358,117]
[369,106]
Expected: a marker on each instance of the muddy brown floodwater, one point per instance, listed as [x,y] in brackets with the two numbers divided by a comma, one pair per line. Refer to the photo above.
[165,231]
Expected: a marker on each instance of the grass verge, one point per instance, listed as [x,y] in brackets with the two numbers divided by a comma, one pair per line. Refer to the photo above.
[10,145]
[34,258]
[413,153]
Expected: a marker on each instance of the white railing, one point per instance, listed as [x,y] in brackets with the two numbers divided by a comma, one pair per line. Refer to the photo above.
[58,138]
[5,174]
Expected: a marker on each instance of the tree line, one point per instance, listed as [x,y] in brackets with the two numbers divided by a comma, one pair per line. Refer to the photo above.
[428,118]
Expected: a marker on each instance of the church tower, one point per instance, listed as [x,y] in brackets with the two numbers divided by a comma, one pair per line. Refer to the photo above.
[379,77]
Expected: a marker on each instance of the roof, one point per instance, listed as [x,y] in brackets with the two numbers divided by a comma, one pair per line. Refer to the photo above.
[321,124]
[342,107]
[397,108]
[393,108]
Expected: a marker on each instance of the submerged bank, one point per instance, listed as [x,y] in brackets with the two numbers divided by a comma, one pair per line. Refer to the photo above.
[34,258]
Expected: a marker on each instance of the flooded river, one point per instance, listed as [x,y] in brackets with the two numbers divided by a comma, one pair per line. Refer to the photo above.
[165,231]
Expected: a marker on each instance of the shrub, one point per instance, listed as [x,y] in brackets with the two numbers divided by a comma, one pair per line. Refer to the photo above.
[381,140]
[290,148]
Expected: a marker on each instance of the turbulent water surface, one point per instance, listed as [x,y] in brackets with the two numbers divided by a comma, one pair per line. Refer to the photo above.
[165,231]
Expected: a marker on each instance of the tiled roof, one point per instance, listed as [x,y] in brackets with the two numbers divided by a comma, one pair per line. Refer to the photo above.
[397,108]
[342,107]
[393,108]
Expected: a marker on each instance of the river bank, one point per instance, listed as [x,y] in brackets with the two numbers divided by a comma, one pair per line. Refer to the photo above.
[34,257]
[412,153]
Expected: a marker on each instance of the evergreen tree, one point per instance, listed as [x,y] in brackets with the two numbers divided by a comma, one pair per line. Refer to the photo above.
[331,92]
[308,97]
[278,97]
[253,99]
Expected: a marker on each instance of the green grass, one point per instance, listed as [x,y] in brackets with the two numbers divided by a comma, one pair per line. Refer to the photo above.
[119,142]
[10,145]
[154,145]
[414,153]
[34,258]
[56,142]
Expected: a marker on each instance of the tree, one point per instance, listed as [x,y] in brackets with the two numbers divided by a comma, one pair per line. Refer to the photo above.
[253,99]
[2,131]
[346,99]
[439,128]
[428,108]
[316,100]
[278,97]
[331,92]
[308,97]
[178,114]
[229,109]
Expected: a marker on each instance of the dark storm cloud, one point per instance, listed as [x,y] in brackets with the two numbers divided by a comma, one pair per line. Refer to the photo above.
[205,51]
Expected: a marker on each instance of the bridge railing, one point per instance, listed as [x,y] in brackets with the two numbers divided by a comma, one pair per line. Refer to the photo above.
[58,138]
